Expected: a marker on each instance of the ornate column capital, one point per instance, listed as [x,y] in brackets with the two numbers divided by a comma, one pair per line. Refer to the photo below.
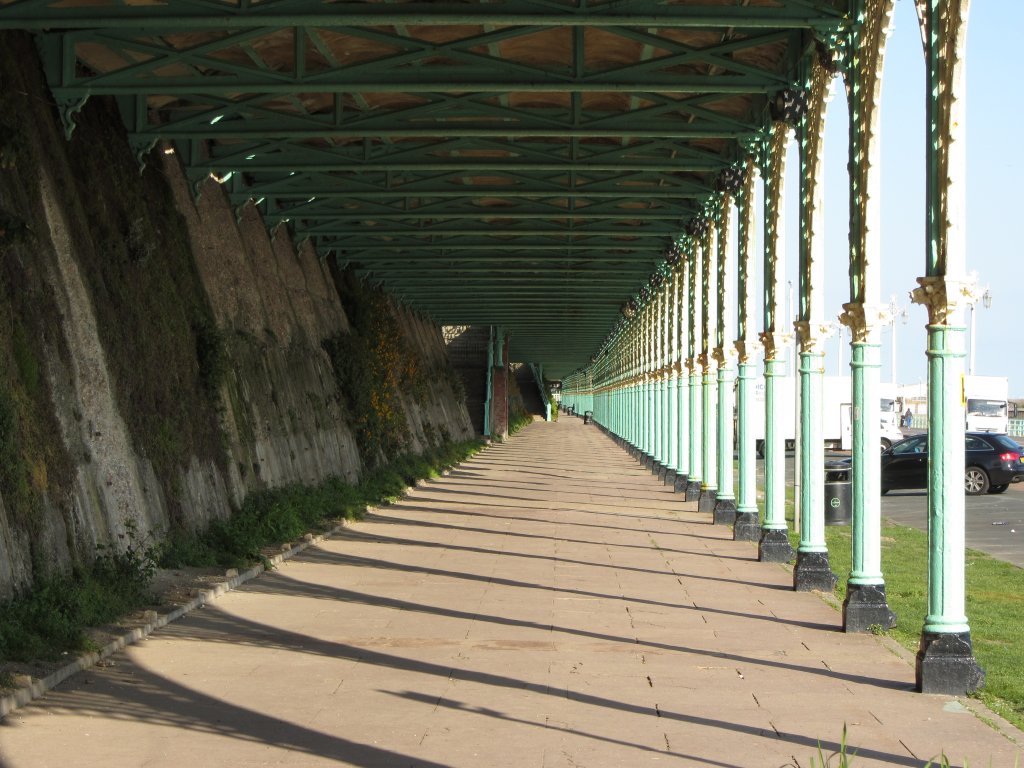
[724,356]
[945,298]
[773,343]
[745,349]
[864,320]
[813,335]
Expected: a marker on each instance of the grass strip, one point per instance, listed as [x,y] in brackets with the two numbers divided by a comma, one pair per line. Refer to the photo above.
[53,618]
[994,598]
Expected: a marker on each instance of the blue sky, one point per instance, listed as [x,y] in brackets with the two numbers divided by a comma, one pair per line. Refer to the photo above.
[993,249]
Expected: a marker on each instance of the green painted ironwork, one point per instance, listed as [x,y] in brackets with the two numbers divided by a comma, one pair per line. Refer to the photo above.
[407,141]
[747,521]
[945,660]
[709,374]
[773,539]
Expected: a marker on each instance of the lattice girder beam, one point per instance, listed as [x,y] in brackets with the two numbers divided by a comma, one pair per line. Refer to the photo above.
[819,15]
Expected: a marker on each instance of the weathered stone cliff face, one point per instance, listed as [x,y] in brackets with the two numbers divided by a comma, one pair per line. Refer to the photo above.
[159,357]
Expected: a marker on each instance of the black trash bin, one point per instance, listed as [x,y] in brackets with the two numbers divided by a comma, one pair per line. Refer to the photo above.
[838,493]
[588,416]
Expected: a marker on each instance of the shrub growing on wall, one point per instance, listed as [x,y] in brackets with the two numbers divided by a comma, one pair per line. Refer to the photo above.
[373,366]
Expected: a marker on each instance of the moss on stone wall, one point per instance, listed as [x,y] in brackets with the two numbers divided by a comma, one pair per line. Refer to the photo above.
[373,367]
[159,339]
[163,348]
[34,463]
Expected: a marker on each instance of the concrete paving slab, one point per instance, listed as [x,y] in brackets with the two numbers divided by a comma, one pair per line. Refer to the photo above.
[547,604]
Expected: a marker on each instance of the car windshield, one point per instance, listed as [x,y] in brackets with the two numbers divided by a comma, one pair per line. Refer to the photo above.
[986,407]
[888,406]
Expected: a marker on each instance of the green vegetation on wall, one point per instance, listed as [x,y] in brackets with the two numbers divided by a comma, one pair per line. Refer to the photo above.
[34,463]
[373,367]
[53,619]
[162,345]
[518,416]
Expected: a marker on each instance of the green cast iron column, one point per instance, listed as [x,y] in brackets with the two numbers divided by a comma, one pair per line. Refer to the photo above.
[672,432]
[774,543]
[634,390]
[683,324]
[635,387]
[622,387]
[660,457]
[725,500]
[617,387]
[693,484]
[608,378]
[812,570]
[666,379]
[747,526]
[626,372]
[628,414]
[945,657]
[649,391]
[709,436]
[638,416]
[865,605]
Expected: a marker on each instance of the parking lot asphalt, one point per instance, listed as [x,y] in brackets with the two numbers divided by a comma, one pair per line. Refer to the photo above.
[994,522]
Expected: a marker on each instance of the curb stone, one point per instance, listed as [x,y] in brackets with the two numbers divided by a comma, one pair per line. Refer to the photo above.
[19,698]
[24,695]
[973,706]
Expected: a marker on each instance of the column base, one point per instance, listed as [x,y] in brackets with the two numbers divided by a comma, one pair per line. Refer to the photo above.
[658,469]
[706,500]
[725,511]
[692,490]
[812,572]
[670,477]
[646,459]
[774,546]
[681,482]
[946,664]
[865,608]
[746,527]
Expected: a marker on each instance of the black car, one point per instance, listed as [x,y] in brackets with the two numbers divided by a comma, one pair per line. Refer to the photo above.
[992,462]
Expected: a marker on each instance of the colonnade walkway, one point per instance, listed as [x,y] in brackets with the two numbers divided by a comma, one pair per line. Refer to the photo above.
[547,604]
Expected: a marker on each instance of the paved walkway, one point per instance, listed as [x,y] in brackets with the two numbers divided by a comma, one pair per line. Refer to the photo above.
[548,604]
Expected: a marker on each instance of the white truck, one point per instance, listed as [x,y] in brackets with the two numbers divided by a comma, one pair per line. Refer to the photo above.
[890,412]
[837,413]
[987,401]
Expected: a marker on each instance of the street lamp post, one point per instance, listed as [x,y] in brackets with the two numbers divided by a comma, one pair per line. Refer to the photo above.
[986,300]
[895,312]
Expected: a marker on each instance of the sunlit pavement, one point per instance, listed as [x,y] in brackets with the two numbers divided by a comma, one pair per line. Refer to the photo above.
[548,604]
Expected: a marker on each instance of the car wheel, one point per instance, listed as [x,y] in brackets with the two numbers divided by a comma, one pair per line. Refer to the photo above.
[999,488]
[975,481]
[886,444]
